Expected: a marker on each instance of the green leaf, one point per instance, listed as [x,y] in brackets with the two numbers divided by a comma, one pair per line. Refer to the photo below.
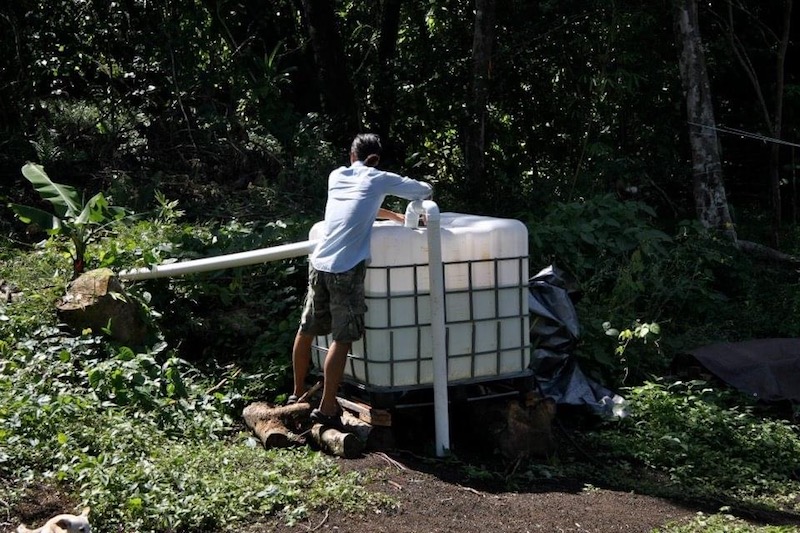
[65,199]
[135,503]
[93,210]
[32,215]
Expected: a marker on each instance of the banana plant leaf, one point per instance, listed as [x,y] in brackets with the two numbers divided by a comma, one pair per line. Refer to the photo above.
[32,215]
[65,199]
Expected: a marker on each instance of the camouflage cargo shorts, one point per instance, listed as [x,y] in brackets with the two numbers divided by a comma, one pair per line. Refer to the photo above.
[335,304]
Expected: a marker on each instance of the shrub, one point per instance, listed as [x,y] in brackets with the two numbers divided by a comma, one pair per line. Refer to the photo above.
[707,442]
[147,441]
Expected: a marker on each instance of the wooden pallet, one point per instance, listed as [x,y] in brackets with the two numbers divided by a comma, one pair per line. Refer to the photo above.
[367,413]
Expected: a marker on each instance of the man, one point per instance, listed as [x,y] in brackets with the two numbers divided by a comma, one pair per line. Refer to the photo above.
[335,300]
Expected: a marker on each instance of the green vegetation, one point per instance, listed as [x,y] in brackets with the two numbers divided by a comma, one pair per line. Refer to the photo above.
[721,523]
[144,436]
[73,218]
[146,433]
[704,444]
[216,123]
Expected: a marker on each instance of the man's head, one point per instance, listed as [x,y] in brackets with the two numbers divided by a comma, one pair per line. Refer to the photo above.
[366,148]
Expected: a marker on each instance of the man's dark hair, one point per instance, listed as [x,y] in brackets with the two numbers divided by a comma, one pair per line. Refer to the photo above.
[367,147]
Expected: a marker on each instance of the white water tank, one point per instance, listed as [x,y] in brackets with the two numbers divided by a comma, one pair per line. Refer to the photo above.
[485,263]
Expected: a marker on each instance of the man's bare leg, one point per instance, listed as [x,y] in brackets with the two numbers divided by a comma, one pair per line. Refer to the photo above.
[301,361]
[334,371]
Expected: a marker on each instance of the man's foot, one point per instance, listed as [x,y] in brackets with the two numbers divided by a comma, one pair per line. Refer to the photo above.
[333,421]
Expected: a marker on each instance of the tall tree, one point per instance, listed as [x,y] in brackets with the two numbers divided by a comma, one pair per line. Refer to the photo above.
[14,91]
[710,198]
[385,83]
[475,134]
[336,88]
[773,118]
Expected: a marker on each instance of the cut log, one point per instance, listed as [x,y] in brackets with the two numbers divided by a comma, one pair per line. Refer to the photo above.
[335,442]
[276,426]
[353,424]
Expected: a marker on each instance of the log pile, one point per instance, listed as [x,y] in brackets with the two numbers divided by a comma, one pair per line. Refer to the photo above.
[289,425]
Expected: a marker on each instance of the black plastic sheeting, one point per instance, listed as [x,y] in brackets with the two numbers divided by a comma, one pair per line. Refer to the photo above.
[766,368]
[555,332]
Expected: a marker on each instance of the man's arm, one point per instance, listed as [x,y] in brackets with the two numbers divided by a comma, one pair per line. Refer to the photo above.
[391,215]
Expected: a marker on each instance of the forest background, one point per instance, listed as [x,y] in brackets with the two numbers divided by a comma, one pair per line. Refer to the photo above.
[215,124]
[570,117]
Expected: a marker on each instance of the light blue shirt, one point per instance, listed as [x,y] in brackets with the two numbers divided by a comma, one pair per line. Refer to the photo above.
[355,194]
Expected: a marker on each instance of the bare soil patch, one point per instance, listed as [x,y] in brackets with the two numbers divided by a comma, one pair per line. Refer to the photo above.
[434,498]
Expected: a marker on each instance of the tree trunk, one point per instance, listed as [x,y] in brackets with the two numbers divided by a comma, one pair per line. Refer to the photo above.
[475,135]
[710,199]
[338,96]
[777,124]
[773,120]
[385,80]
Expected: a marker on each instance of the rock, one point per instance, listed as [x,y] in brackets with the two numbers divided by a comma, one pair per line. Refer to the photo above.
[8,292]
[97,300]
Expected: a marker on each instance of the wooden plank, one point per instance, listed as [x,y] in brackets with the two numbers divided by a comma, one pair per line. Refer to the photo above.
[366,413]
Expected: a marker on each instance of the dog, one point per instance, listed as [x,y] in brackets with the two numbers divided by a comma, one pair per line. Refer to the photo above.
[63,523]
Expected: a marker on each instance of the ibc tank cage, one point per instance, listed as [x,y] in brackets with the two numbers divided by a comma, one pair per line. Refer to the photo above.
[485,267]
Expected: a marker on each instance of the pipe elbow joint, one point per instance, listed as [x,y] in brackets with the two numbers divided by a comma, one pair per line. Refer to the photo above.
[416,208]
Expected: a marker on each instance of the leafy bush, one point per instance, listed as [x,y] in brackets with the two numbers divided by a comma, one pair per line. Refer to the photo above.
[146,437]
[720,523]
[246,316]
[146,441]
[591,238]
[630,272]
[707,442]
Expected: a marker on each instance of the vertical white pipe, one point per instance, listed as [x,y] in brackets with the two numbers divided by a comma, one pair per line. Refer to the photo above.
[438,338]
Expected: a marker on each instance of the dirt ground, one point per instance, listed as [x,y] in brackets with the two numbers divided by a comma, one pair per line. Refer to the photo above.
[433,499]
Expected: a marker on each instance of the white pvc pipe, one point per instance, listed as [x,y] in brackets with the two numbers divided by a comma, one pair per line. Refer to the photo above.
[252,257]
[438,340]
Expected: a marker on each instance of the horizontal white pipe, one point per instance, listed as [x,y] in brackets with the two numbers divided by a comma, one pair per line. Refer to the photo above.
[220,262]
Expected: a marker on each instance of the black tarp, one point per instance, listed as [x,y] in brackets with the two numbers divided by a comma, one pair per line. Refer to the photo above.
[766,368]
[555,332]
